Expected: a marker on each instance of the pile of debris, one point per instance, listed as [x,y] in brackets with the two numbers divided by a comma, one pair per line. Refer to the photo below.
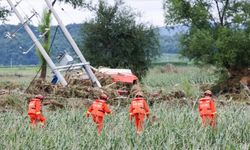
[7,85]
[12,101]
[79,88]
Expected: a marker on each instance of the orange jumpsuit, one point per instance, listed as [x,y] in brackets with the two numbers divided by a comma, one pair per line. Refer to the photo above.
[207,111]
[138,109]
[98,110]
[34,112]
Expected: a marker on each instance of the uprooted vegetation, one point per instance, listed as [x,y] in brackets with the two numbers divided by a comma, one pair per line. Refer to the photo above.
[79,93]
[177,84]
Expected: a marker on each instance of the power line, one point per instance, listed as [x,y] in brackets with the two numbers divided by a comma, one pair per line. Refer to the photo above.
[38,17]
[12,37]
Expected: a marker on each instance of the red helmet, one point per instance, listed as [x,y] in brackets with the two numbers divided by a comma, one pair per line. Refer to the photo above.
[39,97]
[104,96]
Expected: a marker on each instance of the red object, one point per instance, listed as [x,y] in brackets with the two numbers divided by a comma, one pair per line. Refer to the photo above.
[122,92]
[98,110]
[207,111]
[34,112]
[138,109]
[36,118]
[99,121]
[124,78]
[208,119]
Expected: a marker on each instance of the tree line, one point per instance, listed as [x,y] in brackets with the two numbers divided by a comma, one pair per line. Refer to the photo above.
[22,42]
[219,32]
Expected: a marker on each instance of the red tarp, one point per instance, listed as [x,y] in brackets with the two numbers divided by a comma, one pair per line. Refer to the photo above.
[125,78]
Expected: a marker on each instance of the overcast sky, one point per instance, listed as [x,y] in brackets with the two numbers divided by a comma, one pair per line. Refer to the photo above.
[151,11]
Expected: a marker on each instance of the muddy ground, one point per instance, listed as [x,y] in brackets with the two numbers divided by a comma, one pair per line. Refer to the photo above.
[80,93]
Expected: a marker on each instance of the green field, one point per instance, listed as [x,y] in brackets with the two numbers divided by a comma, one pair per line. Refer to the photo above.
[175,59]
[24,74]
[20,75]
[178,128]
[178,125]
[187,78]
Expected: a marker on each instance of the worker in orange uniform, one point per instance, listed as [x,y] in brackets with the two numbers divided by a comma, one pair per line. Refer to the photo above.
[207,109]
[138,109]
[98,110]
[35,111]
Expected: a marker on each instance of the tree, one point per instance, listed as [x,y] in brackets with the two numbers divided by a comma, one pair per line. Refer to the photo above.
[219,32]
[114,39]
[3,13]
[44,28]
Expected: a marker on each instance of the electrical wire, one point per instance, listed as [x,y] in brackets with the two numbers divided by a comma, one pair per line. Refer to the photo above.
[17,5]
[38,16]
[13,34]
[33,79]
[34,44]
[53,39]
[68,15]
[26,17]
[14,38]
[29,19]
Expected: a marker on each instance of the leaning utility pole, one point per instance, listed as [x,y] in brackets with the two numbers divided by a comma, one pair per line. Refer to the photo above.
[38,44]
[86,65]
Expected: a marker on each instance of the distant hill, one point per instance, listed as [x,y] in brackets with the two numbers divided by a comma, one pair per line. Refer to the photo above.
[12,49]
[169,38]
[172,31]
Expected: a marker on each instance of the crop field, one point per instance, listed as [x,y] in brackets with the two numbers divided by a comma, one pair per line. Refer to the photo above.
[18,75]
[186,78]
[177,126]
[171,58]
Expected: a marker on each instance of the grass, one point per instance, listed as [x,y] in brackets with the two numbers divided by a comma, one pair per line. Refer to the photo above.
[178,128]
[18,75]
[187,79]
[21,69]
[170,58]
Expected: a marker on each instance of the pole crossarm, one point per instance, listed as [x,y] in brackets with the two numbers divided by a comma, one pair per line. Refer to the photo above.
[38,44]
[86,66]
